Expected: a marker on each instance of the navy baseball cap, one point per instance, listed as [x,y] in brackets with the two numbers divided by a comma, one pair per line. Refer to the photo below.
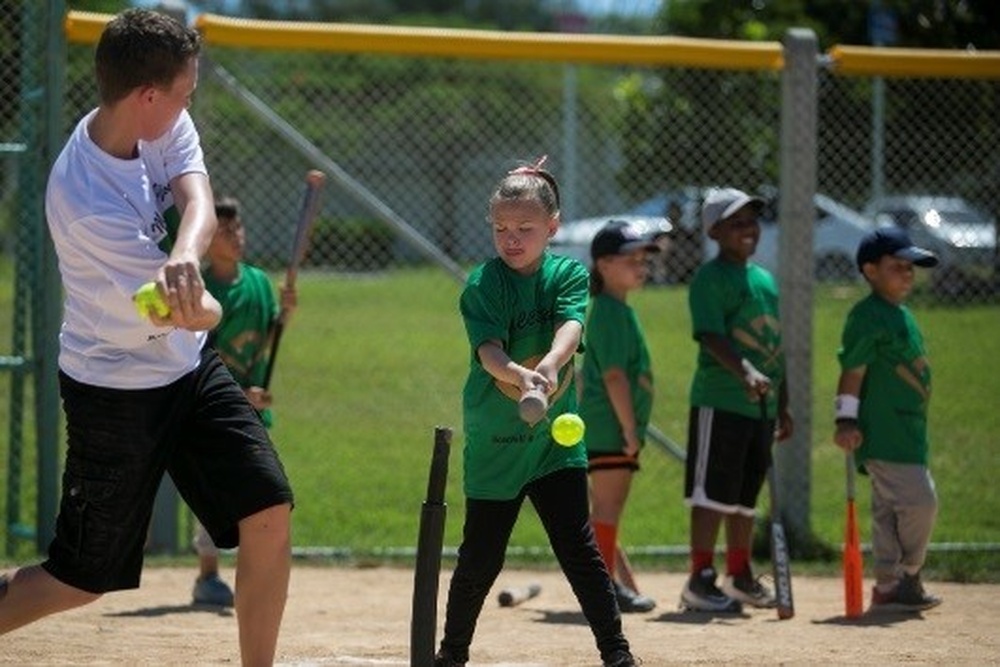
[895,242]
[618,237]
[721,203]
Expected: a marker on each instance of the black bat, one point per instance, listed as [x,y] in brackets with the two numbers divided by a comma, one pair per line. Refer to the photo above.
[427,572]
[779,544]
[310,207]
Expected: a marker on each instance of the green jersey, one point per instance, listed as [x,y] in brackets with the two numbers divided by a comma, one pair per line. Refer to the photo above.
[740,302]
[884,338]
[502,453]
[614,340]
[248,309]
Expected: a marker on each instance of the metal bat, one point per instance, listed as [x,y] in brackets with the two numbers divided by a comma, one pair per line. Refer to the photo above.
[853,565]
[779,544]
[511,597]
[310,207]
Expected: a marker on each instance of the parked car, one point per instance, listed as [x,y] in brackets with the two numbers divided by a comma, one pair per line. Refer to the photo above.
[573,238]
[838,231]
[959,233]
[836,235]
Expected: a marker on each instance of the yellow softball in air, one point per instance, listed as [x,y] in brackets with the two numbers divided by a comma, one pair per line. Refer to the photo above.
[568,429]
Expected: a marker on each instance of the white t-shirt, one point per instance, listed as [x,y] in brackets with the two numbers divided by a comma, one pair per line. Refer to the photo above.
[109,218]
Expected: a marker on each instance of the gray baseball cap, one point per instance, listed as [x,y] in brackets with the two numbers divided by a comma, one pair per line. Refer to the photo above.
[721,203]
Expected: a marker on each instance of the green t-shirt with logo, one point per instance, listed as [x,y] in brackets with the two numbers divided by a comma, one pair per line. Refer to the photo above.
[502,453]
[241,337]
[739,301]
[884,338]
[614,340]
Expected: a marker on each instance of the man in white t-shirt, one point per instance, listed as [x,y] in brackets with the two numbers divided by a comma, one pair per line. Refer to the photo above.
[129,202]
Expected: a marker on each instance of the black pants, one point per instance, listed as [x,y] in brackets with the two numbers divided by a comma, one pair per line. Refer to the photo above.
[560,499]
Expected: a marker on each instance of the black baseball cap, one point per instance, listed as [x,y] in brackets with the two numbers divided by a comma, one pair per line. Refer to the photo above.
[892,241]
[618,237]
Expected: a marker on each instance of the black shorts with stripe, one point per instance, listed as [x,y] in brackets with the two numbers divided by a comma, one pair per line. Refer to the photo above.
[727,460]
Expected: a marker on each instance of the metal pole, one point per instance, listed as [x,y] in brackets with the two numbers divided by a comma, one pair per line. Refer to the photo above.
[797,217]
[569,168]
[47,289]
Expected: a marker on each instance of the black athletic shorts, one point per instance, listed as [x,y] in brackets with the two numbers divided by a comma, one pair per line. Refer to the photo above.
[201,429]
[727,460]
[611,461]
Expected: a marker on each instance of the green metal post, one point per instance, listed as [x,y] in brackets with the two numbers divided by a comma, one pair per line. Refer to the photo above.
[48,301]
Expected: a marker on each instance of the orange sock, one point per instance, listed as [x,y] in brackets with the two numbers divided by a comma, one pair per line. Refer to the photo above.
[607,538]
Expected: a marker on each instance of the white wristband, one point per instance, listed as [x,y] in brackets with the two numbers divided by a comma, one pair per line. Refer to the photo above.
[846,406]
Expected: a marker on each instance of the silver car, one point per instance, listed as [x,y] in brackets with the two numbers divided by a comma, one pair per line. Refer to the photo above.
[838,231]
[960,234]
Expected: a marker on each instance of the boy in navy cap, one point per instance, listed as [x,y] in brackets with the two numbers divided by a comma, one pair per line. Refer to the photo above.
[881,416]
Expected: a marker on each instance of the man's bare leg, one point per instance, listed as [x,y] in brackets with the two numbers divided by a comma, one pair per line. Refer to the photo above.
[263,565]
[31,593]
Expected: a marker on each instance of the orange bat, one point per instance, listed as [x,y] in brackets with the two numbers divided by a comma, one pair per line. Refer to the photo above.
[853,566]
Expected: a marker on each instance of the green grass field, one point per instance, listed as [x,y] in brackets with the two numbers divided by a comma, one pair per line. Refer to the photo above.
[370,365]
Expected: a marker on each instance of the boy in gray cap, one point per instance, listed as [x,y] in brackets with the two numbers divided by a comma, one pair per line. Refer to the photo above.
[881,417]
[734,316]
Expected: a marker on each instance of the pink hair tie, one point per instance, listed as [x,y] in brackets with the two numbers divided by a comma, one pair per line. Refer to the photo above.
[530,169]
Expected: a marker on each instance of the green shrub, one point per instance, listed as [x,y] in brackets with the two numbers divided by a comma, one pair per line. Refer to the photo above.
[350,244]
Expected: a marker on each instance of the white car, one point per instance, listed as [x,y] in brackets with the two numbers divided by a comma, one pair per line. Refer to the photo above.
[573,238]
[838,231]
[960,234]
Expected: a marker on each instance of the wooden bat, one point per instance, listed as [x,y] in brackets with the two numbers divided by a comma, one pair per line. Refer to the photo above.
[779,544]
[533,405]
[511,597]
[853,565]
[430,540]
[310,207]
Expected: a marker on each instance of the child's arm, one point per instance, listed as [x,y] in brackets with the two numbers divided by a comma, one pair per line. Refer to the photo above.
[620,395]
[564,345]
[498,363]
[722,349]
[848,436]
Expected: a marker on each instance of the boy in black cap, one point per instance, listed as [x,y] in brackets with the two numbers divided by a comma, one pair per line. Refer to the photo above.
[881,416]
[735,320]
[617,396]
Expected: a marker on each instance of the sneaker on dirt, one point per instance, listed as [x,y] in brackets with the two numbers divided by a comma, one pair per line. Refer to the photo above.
[211,590]
[748,590]
[631,602]
[909,595]
[701,594]
[620,658]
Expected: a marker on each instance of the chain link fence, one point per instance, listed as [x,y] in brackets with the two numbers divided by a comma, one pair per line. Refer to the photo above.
[414,142]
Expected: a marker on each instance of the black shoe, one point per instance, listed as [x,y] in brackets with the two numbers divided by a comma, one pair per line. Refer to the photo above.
[620,658]
[748,590]
[445,659]
[911,594]
[701,594]
[631,602]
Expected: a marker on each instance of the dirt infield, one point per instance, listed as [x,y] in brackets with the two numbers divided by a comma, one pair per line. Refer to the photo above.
[346,616]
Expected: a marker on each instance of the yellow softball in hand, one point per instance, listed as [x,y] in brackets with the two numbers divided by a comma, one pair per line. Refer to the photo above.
[148,300]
